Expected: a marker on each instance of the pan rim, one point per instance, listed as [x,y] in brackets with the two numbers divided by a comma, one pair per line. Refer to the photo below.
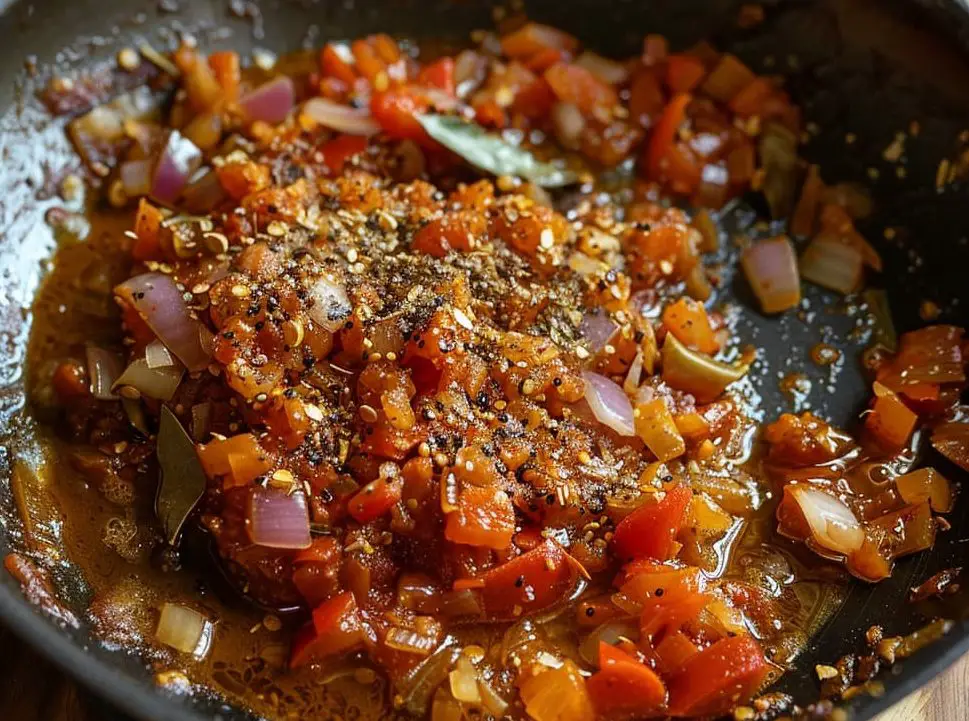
[139,697]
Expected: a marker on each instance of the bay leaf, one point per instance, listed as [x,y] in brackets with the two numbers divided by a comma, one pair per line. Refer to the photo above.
[182,480]
[491,153]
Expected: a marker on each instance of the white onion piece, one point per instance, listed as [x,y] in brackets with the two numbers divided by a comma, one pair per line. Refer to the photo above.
[771,270]
[470,71]
[339,117]
[610,632]
[464,682]
[609,71]
[135,177]
[176,163]
[833,525]
[271,102]
[157,355]
[184,629]
[833,264]
[159,383]
[609,403]
[103,368]
[597,329]
[161,304]
[634,374]
[278,520]
[410,641]
[568,122]
[331,305]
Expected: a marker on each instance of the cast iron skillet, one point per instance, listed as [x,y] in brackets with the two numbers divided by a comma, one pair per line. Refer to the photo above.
[866,67]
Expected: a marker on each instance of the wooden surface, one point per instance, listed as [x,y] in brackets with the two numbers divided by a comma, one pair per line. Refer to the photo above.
[32,690]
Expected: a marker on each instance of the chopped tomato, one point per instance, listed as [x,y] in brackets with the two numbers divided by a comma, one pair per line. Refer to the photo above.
[375,499]
[336,629]
[665,159]
[337,152]
[337,62]
[533,38]
[718,678]
[684,73]
[688,321]
[484,517]
[891,422]
[396,111]
[225,65]
[240,459]
[532,581]
[574,84]
[650,530]
[623,685]
[440,75]
[147,227]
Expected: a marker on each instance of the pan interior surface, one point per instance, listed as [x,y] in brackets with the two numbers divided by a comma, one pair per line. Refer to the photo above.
[859,69]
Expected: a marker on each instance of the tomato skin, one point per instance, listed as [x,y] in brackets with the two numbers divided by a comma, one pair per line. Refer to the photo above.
[684,73]
[484,517]
[440,75]
[334,66]
[718,678]
[650,530]
[396,111]
[624,686]
[337,152]
[575,84]
[375,499]
[336,629]
[547,574]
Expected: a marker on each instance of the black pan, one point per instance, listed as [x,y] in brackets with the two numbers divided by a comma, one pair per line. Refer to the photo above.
[864,67]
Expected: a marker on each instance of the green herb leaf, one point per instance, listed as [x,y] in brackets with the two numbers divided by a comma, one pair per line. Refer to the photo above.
[182,481]
[490,153]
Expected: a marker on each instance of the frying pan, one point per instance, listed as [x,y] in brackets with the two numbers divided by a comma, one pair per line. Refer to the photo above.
[861,69]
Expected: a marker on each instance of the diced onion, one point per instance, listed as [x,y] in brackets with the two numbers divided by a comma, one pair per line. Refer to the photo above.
[201,421]
[135,177]
[926,484]
[271,102]
[160,303]
[597,329]
[184,629]
[952,441]
[278,520]
[832,524]
[339,117]
[470,71]
[331,305]
[771,270]
[157,355]
[409,641]
[609,403]
[463,681]
[418,685]
[176,163]
[103,368]
[832,264]
[490,699]
[610,632]
[695,372]
[159,383]
[568,122]
[609,71]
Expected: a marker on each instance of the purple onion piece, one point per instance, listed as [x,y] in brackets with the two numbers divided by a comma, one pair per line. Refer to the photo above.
[271,102]
[278,519]
[178,160]
[161,304]
[609,403]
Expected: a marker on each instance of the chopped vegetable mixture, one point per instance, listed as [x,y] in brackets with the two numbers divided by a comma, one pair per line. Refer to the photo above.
[428,348]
